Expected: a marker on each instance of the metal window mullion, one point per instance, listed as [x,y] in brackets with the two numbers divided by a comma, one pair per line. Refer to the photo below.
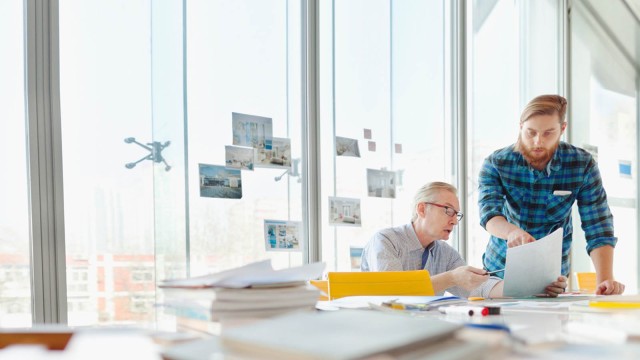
[459,112]
[310,134]
[44,162]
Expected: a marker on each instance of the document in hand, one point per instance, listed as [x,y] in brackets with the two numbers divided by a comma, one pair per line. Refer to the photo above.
[343,334]
[532,267]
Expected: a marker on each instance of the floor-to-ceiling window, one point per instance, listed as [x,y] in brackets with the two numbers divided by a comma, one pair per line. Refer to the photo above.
[244,97]
[514,54]
[141,198]
[604,120]
[105,77]
[15,284]
[383,122]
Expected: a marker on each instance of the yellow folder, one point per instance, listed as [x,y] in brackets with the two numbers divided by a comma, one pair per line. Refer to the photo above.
[378,283]
[616,302]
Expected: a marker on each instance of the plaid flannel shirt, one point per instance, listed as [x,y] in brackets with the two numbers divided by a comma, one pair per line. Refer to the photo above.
[509,187]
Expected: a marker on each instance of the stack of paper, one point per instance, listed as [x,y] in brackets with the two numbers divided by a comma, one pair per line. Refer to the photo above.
[344,334]
[252,291]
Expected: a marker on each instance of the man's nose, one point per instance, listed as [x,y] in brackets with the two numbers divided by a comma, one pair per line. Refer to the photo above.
[537,139]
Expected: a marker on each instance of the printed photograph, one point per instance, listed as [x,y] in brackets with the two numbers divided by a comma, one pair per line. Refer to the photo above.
[282,235]
[279,156]
[344,211]
[219,182]
[381,183]
[367,134]
[355,253]
[372,146]
[252,131]
[347,147]
[239,157]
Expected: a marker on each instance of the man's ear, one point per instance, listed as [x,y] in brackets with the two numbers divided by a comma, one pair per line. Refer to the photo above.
[421,209]
[563,127]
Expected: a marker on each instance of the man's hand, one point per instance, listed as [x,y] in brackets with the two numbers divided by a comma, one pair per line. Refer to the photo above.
[557,287]
[517,237]
[610,287]
[468,277]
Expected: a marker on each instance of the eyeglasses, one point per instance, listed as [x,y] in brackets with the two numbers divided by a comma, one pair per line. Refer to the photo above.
[448,210]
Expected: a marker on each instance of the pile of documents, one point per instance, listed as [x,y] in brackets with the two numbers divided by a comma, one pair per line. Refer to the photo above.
[252,291]
[349,334]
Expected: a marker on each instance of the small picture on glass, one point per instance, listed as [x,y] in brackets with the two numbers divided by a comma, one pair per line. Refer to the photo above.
[381,183]
[279,156]
[355,254]
[347,147]
[219,182]
[252,131]
[239,157]
[282,235]
[344,211]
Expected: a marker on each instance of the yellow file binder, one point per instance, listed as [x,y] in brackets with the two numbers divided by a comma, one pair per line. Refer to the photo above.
[379,283]
[616,302]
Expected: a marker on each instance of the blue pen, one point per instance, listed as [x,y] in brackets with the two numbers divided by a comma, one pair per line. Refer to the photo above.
[489,327]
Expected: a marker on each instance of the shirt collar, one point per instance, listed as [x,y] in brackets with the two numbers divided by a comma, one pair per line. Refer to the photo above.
[554,164]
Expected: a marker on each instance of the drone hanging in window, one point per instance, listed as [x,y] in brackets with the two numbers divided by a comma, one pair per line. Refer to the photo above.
[155,148]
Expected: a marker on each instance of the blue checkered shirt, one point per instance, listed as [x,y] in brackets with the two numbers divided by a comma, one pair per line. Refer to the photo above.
[509,187]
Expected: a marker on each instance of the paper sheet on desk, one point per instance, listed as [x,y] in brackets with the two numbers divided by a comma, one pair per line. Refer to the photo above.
[255,274]
[531,267]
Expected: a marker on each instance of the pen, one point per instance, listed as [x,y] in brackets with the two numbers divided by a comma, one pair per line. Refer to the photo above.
[489,326]
[465,310]
[494,272]
[411,307]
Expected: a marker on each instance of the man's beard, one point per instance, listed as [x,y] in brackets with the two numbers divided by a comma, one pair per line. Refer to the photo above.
[536,160]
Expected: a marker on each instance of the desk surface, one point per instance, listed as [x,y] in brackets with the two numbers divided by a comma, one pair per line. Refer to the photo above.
[539,329]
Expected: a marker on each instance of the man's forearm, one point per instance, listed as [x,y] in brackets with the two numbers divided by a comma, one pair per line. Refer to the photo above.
[499,227]
[602,259]
[442,282]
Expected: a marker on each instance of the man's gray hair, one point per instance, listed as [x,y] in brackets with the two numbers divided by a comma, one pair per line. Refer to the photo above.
[428,193]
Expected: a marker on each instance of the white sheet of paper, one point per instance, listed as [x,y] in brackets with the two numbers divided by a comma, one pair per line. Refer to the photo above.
[531,267]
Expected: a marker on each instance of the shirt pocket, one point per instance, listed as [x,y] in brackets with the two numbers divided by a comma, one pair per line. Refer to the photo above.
[559,207]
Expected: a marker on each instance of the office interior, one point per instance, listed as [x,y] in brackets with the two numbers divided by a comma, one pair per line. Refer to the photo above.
[112,109]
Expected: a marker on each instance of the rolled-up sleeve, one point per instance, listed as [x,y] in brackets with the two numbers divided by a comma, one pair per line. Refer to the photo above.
[597,220]
[490,193]
[485,288]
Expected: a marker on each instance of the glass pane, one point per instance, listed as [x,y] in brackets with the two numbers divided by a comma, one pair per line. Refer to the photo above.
[498,90]
[105,76]
[604,115]
[15,278]
[243,57]
[382,86]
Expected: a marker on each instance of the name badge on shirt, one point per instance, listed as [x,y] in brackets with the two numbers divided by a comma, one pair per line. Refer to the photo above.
[562,193]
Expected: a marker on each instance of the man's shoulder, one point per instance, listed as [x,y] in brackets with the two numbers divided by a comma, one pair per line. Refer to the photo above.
[504,156]
[571,152]
[392,233]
